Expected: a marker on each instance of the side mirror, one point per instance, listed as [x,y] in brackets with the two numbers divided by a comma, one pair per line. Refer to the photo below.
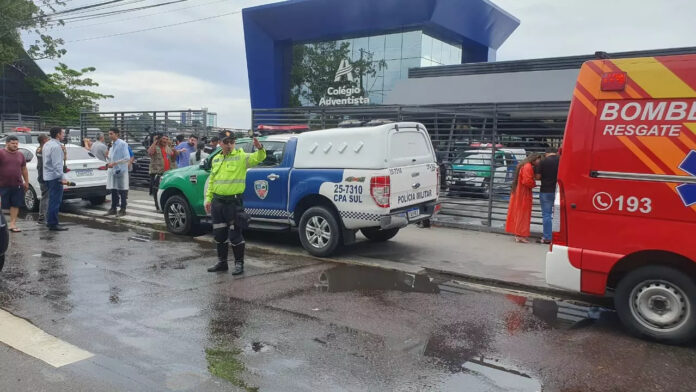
[205,164]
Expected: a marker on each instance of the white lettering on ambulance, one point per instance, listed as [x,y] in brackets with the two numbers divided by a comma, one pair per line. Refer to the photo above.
[652,113]
[641,130]
[677,111]
[636,111]
[610,112]
[649,111]
[692,113]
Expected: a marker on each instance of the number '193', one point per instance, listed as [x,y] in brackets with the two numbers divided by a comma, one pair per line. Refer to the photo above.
[633,204]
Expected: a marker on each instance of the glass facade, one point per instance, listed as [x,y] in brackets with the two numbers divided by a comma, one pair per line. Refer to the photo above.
[370,66]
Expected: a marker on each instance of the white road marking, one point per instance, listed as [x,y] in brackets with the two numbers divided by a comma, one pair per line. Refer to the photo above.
[25,337]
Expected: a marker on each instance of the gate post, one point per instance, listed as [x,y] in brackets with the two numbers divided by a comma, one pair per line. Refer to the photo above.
[494,137]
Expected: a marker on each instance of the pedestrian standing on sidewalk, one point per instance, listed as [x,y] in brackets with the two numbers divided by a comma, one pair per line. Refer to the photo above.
[43,204]
[520,208]
[53,164]
[98,148]
[548,173]
[223,200]
[162,159]
[14,180]
[117,172]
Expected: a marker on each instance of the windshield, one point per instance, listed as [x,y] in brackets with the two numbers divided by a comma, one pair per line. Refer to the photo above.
[473,158]
[274,153]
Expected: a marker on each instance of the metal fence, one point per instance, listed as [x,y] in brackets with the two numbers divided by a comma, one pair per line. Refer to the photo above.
[478,148]
[10,122]
[139,125]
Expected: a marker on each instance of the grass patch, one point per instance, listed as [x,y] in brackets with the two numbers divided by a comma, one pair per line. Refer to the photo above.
[226,365]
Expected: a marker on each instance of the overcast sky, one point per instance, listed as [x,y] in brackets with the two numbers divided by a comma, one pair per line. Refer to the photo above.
[203,64]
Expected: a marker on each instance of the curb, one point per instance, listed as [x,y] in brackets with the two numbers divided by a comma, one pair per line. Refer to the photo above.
[542,290]
[208,238]
[118,221]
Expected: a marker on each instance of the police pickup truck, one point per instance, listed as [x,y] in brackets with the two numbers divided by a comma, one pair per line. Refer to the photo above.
[327,184]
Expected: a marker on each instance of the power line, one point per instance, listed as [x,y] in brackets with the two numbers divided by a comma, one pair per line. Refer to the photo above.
[117,12]
[137,17]
[83,8]
[155,28]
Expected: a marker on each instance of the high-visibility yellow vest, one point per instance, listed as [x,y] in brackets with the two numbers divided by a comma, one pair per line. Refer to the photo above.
[228,172]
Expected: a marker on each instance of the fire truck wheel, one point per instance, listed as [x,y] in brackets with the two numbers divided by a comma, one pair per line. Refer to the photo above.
[658,302]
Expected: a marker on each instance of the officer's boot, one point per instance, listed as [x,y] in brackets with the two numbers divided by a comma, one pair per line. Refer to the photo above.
[222,251]
[238,251]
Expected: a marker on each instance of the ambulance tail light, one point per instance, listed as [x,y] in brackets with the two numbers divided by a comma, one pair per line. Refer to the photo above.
[437,190]
[380,190]
[560,221]
[614,81]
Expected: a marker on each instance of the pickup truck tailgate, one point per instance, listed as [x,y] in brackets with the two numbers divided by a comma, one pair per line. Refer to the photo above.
[413,185]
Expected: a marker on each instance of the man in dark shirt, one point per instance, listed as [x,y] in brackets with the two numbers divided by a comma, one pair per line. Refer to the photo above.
[548,173]
[14,179]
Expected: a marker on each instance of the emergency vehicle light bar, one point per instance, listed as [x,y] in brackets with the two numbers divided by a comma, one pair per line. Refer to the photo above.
[643,177]
[614,81]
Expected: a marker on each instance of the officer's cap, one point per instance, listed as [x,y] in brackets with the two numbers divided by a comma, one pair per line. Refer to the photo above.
[226,136]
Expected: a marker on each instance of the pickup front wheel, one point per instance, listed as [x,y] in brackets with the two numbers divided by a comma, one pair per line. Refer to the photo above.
[320,232]
[178,215]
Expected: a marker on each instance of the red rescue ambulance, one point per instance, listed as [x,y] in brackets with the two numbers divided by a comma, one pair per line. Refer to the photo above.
[625,218]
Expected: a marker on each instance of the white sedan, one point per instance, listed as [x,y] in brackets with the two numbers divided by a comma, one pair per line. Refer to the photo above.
[87,172]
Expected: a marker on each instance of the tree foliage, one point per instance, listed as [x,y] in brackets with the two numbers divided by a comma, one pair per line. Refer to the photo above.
[314,70]
[67,92]
[18,16]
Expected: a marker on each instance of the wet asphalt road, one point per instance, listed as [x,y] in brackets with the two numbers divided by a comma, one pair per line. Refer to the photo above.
[155,320]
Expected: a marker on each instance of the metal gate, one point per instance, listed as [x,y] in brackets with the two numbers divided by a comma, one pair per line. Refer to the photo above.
[478,148]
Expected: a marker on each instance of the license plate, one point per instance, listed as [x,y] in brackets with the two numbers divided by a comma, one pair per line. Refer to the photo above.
[413,213]
[83,172]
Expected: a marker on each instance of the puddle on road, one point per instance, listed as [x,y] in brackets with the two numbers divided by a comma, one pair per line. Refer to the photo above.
[558,314]
[350,278]
[484,374]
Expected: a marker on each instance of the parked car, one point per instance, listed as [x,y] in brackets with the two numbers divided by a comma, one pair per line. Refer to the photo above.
[140,176]
[471,171]
[328,184]
[86,171]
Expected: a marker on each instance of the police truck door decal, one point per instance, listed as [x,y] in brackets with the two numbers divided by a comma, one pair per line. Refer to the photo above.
[261,188]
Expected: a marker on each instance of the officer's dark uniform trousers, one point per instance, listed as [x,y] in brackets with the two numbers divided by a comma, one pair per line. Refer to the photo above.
[227,224]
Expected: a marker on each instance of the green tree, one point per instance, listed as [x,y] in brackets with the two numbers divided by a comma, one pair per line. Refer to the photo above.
[67,92]
[314,70]
[18,16]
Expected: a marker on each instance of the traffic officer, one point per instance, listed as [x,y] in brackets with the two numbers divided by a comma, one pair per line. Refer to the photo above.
[223,200]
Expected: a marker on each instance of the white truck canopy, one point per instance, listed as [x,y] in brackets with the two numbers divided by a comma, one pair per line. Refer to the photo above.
[376,147]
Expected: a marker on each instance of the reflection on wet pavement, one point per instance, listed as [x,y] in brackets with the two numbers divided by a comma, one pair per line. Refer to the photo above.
[142,301]
[349,278]
[488,375]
